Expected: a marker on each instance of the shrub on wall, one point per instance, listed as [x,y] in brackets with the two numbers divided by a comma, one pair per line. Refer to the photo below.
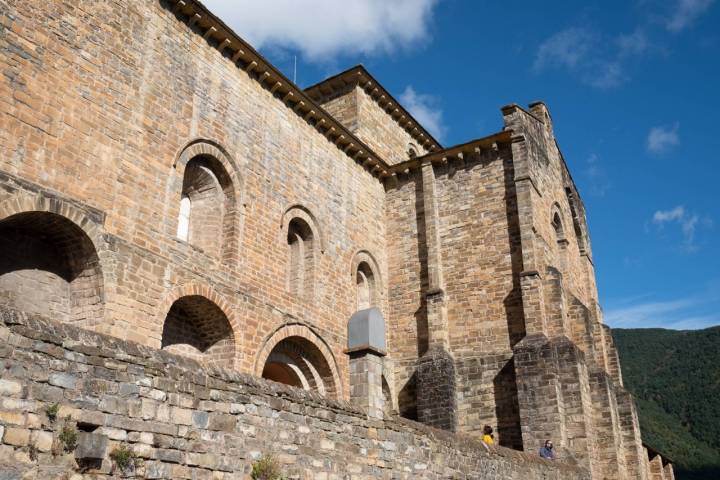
[266,468]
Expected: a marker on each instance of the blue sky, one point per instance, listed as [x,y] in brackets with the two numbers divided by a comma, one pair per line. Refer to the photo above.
[632,87]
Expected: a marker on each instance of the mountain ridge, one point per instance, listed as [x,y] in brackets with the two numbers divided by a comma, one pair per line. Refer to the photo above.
[675,378]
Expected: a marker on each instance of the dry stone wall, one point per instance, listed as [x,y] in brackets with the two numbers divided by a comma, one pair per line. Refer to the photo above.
[184,421]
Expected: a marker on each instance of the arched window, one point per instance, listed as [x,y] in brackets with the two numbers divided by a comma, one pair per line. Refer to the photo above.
[412,150]
[578,221]
[207,206]
[560,239]
[301,251]
[49,266]
[366,287]
[196,327]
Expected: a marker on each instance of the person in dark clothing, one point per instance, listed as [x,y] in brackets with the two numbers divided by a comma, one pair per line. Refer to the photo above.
[547,451]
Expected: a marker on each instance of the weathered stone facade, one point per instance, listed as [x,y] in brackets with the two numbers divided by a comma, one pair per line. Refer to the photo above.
[163,184]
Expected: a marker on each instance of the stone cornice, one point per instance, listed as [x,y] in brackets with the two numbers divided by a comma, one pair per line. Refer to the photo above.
[359,76]
[454,154]
[236,50]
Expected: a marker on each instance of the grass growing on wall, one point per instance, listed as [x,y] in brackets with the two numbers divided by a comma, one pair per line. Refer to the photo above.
[266,468]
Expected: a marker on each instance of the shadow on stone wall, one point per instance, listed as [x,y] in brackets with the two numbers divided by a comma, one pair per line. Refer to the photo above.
[513,301]
[507,409]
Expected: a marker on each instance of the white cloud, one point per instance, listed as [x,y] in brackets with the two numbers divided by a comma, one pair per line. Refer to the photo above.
[605,75]
[643,314]
[602,59]
[679,314]
[568,48]
[605,59]
[596,176]
[686,12]
[635,43]
[662,216]
[661,139]
[699,310]
[583,53]
[323,29]
[688,223]
[426,110]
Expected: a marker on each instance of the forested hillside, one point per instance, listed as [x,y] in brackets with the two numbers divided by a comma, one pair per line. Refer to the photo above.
[675,377]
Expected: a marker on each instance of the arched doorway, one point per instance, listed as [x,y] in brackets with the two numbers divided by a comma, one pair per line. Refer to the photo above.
[49,266]
[196,327]
[299,362]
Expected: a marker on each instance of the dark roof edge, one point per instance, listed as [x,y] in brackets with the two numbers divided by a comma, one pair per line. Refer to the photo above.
[354,75]
[221,37]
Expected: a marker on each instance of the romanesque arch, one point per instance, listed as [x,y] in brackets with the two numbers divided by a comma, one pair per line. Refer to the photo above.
[49,263]
[196,323]
[302,212]
[412,150]
[304,240]
[365,274]
[578,219]
[208,200]
[295,355]
[301,258]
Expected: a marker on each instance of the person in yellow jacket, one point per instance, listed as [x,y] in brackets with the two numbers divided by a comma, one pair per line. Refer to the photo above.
[488,435]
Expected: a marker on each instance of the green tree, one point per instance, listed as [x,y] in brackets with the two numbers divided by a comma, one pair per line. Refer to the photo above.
[675,377]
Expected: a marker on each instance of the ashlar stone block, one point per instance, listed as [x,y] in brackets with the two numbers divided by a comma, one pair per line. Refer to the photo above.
[91,446]
[366,330]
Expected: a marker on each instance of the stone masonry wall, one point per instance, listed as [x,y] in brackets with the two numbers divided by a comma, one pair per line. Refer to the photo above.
[100,101]
[343,106]
[480,252]
[112,114]
[481,262]
[408,281]
[381,132]
[562,251]
[359,112]
[549,176]
[186,422]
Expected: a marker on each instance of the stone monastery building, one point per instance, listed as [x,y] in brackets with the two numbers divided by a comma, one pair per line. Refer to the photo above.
[164,186]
